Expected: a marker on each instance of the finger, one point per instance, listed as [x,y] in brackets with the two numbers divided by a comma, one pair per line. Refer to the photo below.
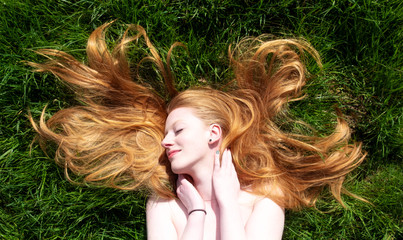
[232,165]
[178,185]
[226,160]
[179,180]
[217,160]
[180,177]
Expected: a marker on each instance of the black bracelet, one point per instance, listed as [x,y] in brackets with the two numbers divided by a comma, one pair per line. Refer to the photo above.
[194,210]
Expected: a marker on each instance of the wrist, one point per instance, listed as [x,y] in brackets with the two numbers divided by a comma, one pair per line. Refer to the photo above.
[197,211]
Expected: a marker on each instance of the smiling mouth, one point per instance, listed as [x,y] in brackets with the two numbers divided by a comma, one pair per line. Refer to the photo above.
[172,153]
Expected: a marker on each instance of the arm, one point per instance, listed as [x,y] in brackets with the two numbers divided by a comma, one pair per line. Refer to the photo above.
[266,220]
[226,189]
[191,199]
[194,229]
[160,224]
[231,224]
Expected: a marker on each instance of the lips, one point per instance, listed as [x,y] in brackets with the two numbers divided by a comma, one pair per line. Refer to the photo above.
[172,153]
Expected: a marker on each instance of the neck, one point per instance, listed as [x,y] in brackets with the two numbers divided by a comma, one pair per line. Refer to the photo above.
[204,186]
[203,180]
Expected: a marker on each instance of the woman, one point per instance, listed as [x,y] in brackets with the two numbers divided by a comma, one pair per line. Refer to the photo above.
[211,204]
[215,163]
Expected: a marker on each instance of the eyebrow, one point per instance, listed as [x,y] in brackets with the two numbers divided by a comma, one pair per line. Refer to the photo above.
[173,124]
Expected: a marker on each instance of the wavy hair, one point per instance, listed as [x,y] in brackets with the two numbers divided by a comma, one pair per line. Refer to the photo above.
[113,139]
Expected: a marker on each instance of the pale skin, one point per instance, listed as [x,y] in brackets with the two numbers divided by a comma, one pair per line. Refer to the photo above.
[205,182]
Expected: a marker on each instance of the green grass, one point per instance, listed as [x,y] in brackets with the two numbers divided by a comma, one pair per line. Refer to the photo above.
[360,42]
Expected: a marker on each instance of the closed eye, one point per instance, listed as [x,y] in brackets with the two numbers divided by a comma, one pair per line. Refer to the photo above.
[178,131]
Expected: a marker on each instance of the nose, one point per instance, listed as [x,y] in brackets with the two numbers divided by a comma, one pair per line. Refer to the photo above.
[166,142]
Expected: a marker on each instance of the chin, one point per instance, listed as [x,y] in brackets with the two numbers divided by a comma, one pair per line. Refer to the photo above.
[179,170]
[176,170]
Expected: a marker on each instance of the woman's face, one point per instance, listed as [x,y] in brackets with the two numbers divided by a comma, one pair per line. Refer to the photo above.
[186,140]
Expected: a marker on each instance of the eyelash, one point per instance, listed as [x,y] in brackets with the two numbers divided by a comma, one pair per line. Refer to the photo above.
[178,131]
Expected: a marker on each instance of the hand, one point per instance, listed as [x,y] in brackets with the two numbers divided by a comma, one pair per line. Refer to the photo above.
[225,179]
[188,194]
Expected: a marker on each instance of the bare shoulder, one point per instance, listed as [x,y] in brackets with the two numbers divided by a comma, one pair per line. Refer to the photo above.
[266,220]
[268,204]
[259,202]
[159,219]
[157,203]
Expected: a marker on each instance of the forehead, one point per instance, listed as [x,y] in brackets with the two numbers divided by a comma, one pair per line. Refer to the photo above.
[182,114]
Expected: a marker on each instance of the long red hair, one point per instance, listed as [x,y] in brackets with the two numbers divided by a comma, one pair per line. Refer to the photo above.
[113,139]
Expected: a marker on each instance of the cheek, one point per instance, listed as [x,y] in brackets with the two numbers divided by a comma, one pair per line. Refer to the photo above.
[193,139]
[188,137]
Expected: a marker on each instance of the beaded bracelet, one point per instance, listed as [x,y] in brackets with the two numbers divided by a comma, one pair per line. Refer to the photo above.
[201,210]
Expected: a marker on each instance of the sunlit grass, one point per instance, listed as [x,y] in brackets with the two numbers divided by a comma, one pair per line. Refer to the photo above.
[359,41]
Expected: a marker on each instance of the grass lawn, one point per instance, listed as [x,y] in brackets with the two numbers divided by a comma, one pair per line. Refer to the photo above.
[360,43]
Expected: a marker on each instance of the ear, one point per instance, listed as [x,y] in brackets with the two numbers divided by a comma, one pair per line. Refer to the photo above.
[215,133]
